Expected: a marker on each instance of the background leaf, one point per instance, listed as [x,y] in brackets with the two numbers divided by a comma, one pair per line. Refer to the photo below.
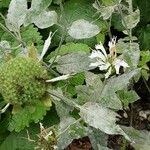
[141,138]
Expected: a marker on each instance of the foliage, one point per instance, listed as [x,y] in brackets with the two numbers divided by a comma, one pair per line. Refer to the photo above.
[59,78]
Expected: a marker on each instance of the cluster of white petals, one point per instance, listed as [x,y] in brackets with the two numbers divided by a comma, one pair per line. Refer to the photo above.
[106,61]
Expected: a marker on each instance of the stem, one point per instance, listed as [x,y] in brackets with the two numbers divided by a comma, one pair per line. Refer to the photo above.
[13,48]
[146,84]
[5,29]
[66,100]
[76,121]
[4,109]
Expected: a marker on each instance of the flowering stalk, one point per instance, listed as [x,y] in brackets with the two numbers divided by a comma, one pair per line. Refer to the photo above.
[107,61]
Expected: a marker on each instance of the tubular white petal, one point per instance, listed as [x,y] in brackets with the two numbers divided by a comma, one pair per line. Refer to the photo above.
[118,63]
[46,46]
[105,66]
[98,54]
[96,64]
[101,47]
[108,73]
[63,77]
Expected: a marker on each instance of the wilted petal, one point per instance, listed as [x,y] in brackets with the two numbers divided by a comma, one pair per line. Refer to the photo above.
[46,45]
[108,73]
[101,47]
[112,43]
[63,77]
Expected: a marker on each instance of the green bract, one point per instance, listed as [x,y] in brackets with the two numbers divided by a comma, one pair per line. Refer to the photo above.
[22,80]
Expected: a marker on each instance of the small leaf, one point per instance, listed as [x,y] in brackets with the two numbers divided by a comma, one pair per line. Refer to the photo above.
[27,115]
[127,97]
[132,19]
[108,95]
[81,29]
[45,19]
[95,116]
[70,48]
[130,51]
[70,129]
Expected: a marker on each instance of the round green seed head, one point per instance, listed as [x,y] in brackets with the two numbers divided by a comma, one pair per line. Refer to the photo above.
[22,80]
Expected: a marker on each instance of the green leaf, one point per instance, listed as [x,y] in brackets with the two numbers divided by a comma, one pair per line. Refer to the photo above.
[91,91]
[39,5]
[44,19]
[68,86]
[98,139]
[132,19]
[145,58]
[69,48]
[16,14]
[62,109]
[17,141]
[141,138]
[73,63]
[29,35]
[127,97]
[74,10]
[144,37]
[95,116]
[70,129]
[82,29]
[130,51]
[27,115]
[105,11]
[108,94]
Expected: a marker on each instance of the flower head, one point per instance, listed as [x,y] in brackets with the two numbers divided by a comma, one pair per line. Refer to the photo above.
[106,61]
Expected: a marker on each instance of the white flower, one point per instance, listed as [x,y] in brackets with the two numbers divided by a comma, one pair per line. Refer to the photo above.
[119,63]
[107,61]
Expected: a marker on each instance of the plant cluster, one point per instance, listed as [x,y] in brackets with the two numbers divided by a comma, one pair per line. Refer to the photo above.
[67,67]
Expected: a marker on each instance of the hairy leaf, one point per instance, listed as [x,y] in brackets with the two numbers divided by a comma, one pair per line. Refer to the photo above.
[113,85]
[95,115]
[27,115]
[127,97]
[73,63]
[16,14]
[81,29]
[132,19]
[70,129]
